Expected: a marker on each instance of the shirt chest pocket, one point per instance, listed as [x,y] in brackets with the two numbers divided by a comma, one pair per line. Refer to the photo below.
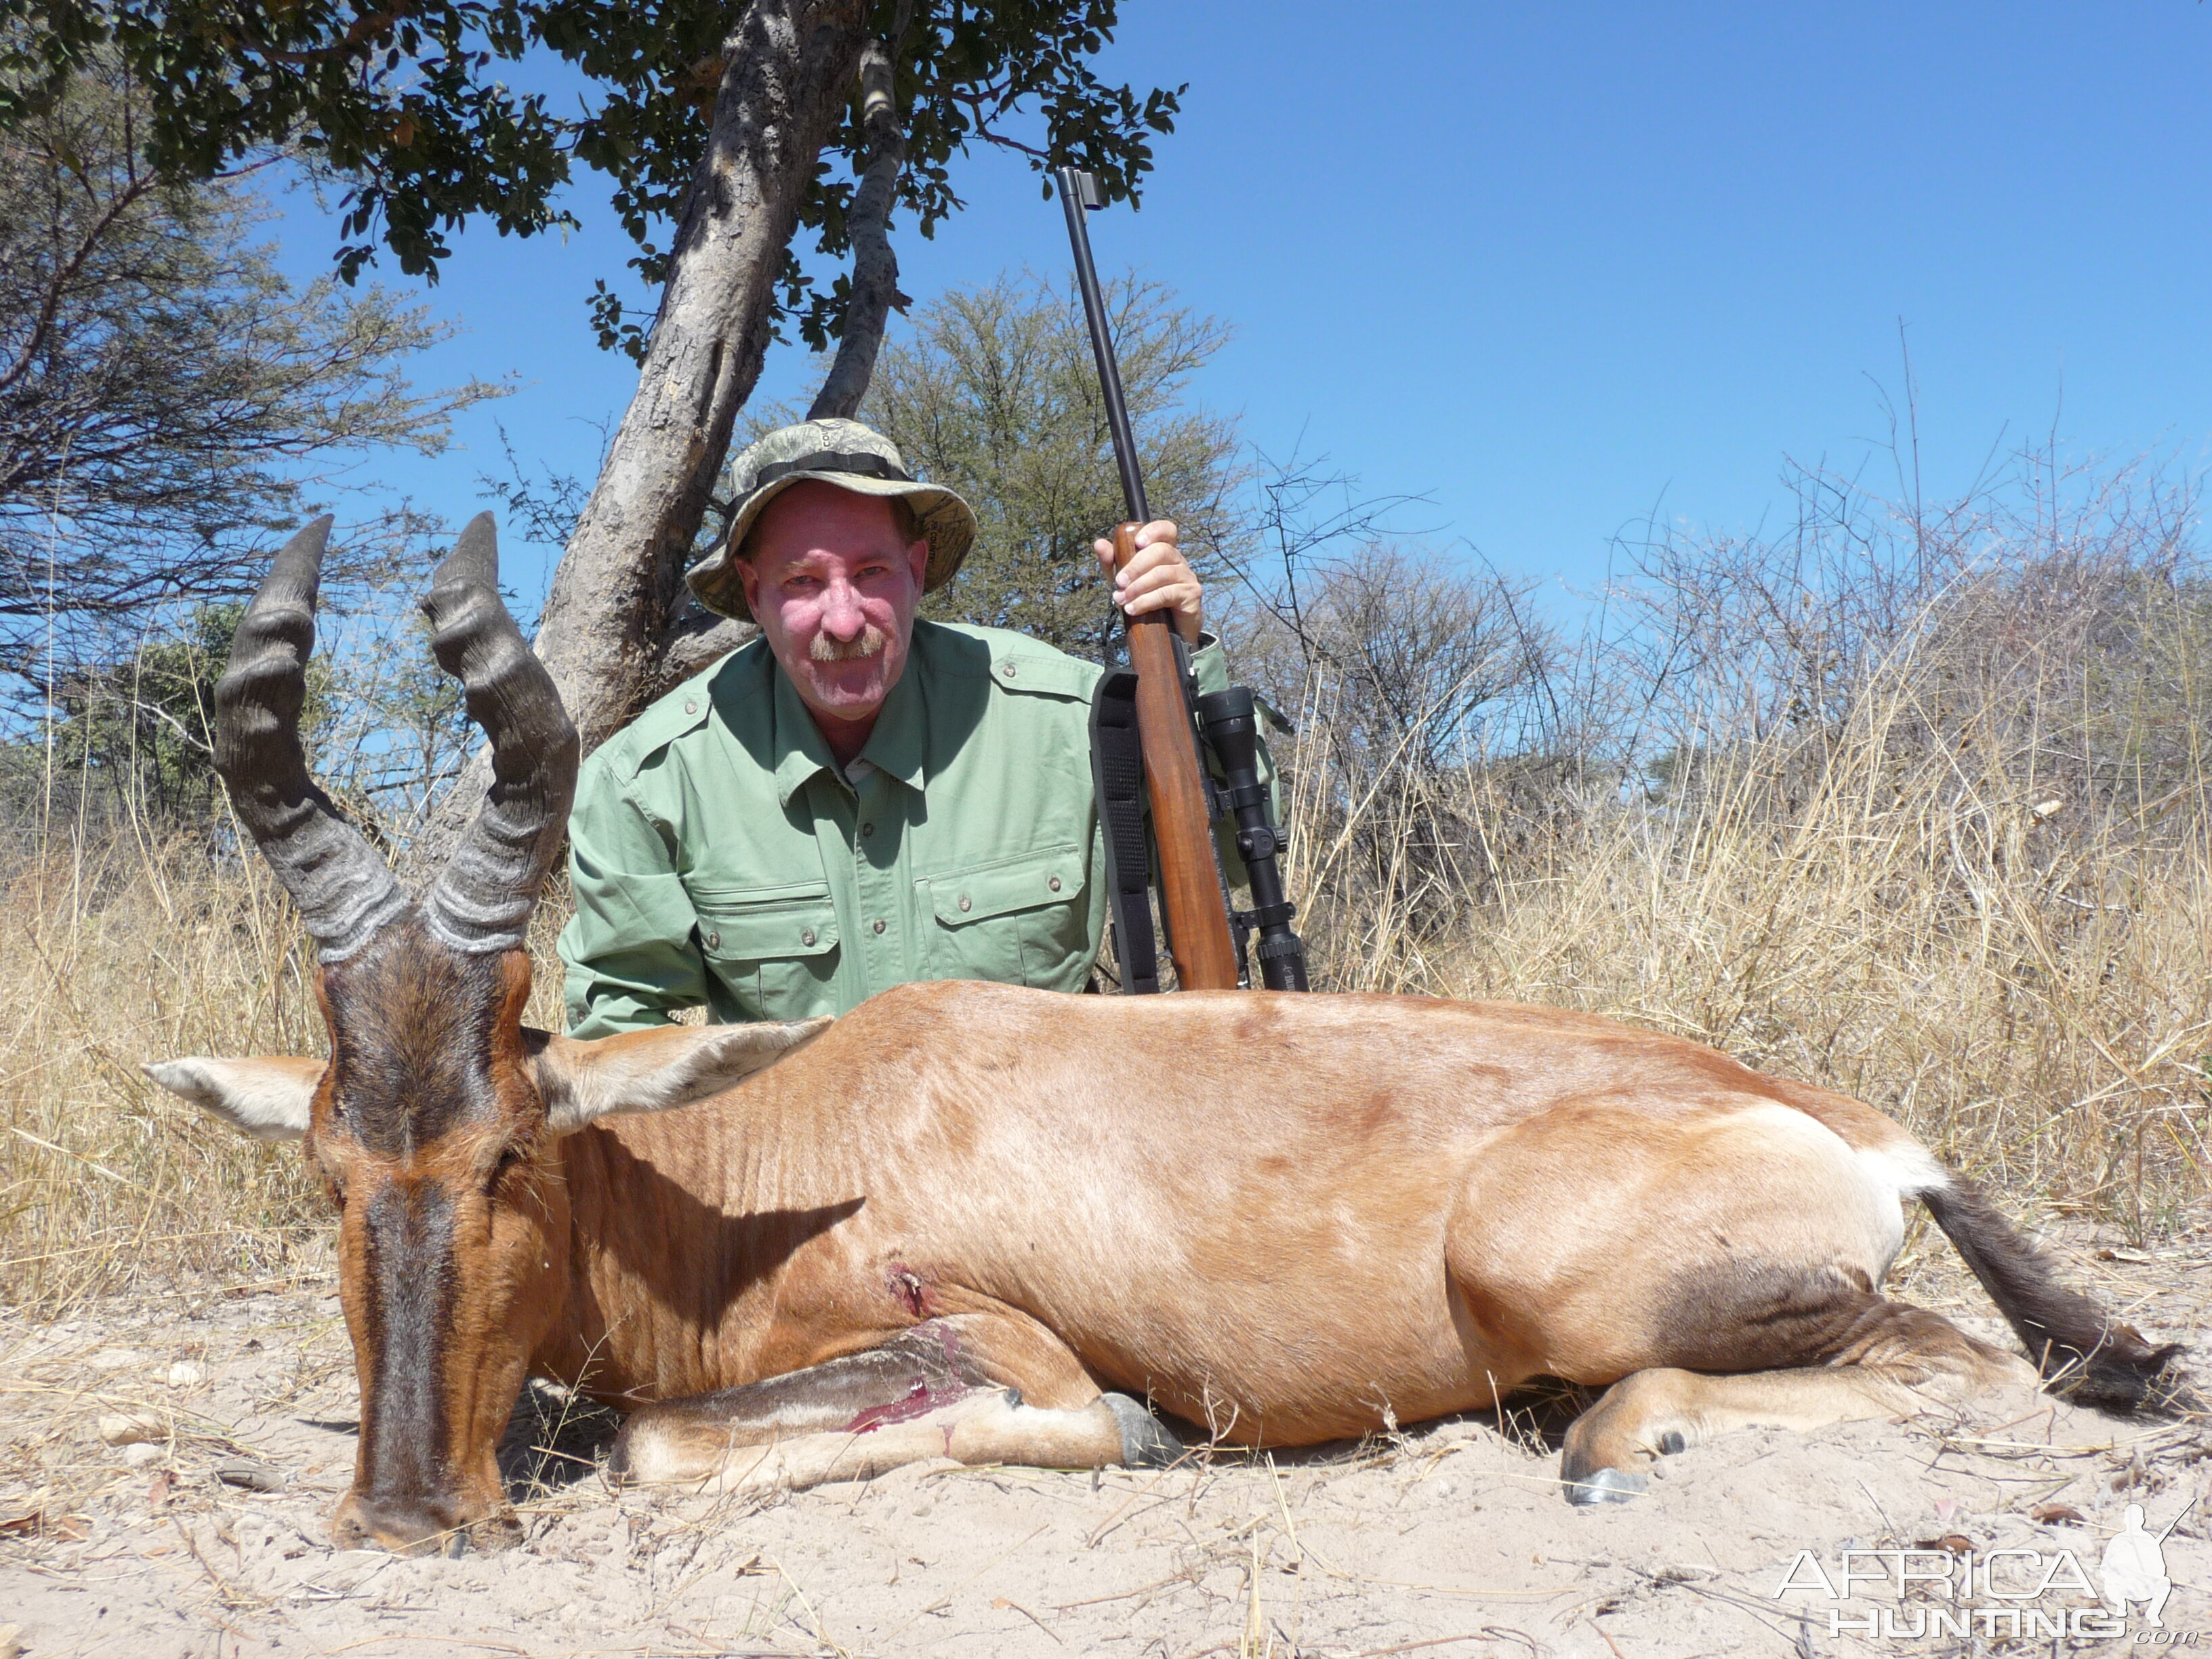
[773,950]
[1020,920]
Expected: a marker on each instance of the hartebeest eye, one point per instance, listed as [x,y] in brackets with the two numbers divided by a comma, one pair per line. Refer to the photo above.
[330,1169]
[509,1161]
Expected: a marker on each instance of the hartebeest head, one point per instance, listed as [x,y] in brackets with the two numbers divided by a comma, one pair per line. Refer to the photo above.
[432,1124]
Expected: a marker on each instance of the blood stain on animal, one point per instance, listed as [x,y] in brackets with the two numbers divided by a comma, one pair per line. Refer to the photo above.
[906,1285]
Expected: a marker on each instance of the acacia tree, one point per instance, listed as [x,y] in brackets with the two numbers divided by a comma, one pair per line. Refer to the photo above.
[994,392]
[711,123]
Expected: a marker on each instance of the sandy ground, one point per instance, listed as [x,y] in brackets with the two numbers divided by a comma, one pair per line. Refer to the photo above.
[1450,1540]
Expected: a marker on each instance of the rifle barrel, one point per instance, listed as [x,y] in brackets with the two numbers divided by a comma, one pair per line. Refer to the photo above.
[1076,190]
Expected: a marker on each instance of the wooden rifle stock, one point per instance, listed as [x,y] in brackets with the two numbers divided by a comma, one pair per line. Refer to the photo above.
[1191,897]
[1190,881]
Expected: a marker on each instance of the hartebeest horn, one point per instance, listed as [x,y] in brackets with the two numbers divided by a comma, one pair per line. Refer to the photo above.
[484,899]
[343,889]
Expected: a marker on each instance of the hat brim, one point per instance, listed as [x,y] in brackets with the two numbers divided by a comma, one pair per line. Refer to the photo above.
[947,522]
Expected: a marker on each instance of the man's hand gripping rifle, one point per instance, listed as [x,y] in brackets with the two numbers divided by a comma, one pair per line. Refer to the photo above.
[1156,711]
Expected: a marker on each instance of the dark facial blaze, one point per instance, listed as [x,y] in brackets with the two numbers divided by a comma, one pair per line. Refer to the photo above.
[430,1129]
[407,1260]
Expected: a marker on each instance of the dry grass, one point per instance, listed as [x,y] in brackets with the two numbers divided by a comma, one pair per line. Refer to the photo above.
[113,951]
[1955,861]
[122,947]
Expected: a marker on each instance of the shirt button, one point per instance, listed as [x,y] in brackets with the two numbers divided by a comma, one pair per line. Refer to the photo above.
[1007,669]
[967,903]
[1054,883]
[714,941]
[807,938]
[879,926]
[867,829]
[691,707]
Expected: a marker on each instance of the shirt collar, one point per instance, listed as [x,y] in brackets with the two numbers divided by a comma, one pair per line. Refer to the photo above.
[900,742]
[899,745]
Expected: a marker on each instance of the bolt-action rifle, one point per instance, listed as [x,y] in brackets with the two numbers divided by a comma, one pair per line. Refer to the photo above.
[1145,744]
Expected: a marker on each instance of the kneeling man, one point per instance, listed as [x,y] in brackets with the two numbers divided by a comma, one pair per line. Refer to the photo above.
[857,799]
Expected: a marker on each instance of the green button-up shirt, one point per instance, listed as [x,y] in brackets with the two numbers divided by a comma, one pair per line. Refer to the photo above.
[719,856]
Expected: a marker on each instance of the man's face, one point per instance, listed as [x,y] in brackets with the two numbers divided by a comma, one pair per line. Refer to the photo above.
[834,589]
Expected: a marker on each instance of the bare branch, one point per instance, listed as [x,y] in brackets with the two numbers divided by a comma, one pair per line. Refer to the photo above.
[65,276]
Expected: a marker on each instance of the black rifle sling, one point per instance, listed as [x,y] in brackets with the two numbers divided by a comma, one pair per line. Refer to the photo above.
[1117,769]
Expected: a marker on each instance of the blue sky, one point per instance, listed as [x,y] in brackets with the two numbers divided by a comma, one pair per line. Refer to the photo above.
[1560,267]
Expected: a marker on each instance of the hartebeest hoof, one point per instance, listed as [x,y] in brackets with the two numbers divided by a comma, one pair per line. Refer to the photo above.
[1591,1463]
[1635,1423]
[1603,1487]
[1146,1441]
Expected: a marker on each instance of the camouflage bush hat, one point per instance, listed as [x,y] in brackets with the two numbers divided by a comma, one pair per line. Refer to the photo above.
[850,456]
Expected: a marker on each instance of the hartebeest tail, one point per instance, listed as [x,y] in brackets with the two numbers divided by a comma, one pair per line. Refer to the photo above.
[2087,1354]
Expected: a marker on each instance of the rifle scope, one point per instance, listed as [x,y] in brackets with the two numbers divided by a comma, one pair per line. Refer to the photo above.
[1232,729]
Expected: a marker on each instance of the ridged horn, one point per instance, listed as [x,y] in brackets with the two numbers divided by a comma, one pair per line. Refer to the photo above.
[342,887]
[483,899]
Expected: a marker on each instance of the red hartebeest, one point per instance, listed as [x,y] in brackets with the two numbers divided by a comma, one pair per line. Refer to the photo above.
[950,1222]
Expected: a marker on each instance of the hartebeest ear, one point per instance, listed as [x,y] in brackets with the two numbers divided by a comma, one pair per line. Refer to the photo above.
[654,1071]
[268,1098]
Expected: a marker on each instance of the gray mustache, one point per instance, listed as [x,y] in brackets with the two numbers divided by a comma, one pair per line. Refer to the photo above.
[822,649]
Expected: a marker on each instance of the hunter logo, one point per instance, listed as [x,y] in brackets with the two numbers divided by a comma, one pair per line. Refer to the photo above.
[2014,1594]
[2135,1567]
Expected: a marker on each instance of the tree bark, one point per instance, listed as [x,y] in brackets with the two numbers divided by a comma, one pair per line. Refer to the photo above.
[696,638]
[875,287]
[618,597]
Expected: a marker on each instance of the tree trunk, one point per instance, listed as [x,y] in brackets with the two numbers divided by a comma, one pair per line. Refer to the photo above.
[789,63]
[697,639]
[875,268]
[617,600]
